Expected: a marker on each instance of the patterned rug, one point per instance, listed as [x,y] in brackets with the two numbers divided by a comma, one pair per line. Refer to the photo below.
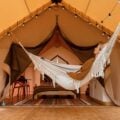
[54,101]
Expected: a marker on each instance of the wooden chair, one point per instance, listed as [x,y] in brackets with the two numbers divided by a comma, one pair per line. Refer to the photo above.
[23,89]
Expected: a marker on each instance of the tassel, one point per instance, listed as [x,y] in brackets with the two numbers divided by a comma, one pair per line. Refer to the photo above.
[35,67]
[42,75]
[53,81]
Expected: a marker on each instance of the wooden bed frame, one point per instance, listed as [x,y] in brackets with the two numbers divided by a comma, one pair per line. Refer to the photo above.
[46,90]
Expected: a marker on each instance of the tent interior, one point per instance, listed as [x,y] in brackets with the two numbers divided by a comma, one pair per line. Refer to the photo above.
[63,31]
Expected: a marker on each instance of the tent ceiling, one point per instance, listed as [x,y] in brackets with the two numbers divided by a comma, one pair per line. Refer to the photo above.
[99,10]
[13,10]
[76,30]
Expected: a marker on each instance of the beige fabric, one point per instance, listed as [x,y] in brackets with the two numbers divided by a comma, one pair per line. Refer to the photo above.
[79,75]
[112,76]
[6,68]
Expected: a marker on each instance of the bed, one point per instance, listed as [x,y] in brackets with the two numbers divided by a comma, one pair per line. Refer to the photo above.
[46,88]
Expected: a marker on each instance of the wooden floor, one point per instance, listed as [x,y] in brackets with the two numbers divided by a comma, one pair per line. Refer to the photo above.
[60,113]
[25,111]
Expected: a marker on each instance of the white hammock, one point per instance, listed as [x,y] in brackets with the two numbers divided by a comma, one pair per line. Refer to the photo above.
[65,67]
[58,72]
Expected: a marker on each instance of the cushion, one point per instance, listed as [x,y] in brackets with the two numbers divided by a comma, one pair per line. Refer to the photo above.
[79,75]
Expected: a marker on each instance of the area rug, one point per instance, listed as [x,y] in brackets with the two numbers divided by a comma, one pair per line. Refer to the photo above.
[54,102]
